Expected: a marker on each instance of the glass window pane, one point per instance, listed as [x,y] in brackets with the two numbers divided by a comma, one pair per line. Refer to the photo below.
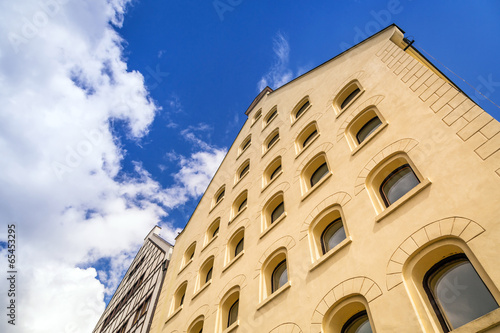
[279,277]
[245,146]
[349,98]
[368,129]
[398,183]
[242,205]
[280,209]
[320,172]
[233,314]
[209,275]
[271,116]
[220,196]
[302,109]
[239,247]
[359,323]
[245,170]
[460,293]
[333,235]
[216,231]
[275,172]
[309,138]
[273,140]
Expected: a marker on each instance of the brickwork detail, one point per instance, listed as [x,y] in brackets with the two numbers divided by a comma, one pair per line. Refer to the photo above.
[355,286]
[286,328]
[458,227]
[471,123]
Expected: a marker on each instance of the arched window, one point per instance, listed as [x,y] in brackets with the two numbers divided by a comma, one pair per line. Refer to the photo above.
[197,325]
[359,323]
[245,144]
[188,255]
[368,129]
[216,231]
[219,195]
[233,313]
[239,204]
[178,299]
[349,98]
[234,245]
[302,109]
[273,140]
[398,183]
[333,235]
[277,212]
[212,231]
[272,171]
[242,171]
[309,138]
[320,172]
[457,293]
[315,172]
[306,137]
[271,115]
[279,276]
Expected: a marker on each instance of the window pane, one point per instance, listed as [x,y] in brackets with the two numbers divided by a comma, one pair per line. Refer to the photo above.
[398,183]
[275,172]
[359,323]
[302,109]
[239,247]
[460,293]
[216,231]
[279,277]
[321,171]
[309,138]
[242,205]
[246,145]
[349,98]
[280,209]
[220,196]
[273,140]
[245,170]
[333,235]
[368,129]
[182,299]
[209,275]
[271,116]
[233,314]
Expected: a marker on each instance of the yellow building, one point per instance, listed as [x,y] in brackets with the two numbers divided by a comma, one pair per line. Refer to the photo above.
[362,196]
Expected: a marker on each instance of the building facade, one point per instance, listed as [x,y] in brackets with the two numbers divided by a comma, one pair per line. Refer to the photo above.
[132,306]
[362,196]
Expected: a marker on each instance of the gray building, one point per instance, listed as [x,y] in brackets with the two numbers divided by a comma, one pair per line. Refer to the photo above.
[132,306]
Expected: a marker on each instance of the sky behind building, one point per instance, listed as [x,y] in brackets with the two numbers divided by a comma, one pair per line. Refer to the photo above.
[115,115]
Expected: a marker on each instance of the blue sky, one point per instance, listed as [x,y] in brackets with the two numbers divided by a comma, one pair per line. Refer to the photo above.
[117,113]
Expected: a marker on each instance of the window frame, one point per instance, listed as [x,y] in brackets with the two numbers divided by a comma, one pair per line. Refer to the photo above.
[275,287]
[330,225]
[305,138]
[345,92]
[388,178]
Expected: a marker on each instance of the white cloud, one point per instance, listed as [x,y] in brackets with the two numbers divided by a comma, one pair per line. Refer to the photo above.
[62,80]
[279,74]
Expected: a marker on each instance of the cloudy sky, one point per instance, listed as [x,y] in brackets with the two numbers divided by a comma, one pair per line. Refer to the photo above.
[115,114]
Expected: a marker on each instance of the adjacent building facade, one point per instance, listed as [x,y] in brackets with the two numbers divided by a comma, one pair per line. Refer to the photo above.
[132,306]
[362,196]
